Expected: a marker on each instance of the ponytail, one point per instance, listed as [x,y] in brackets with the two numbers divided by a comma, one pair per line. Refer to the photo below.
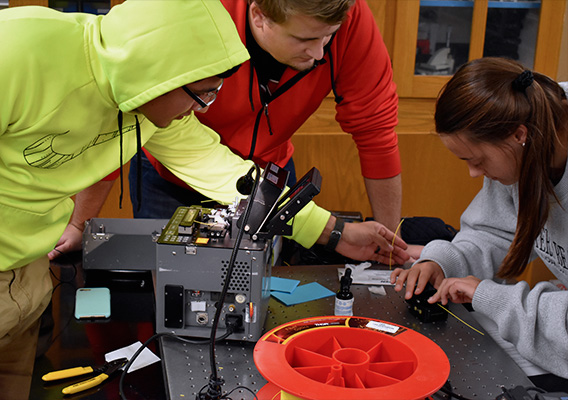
[487,100]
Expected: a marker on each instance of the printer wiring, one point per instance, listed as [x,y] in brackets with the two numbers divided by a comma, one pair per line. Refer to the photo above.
[214,387]
[214,390]
[60,283]
[147,343]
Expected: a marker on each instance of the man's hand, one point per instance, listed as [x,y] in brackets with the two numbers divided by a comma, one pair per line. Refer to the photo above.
[458,290]
[372,241]
[414,250]
[417,277]
[88,204]
[71,240]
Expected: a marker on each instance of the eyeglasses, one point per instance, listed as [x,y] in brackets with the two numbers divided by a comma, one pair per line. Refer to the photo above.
[206,99]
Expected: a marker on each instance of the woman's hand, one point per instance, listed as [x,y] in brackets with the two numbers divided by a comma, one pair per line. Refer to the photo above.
[458,290]
[417,277]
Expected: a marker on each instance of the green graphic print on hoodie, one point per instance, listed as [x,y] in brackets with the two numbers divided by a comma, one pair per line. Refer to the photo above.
[64,78]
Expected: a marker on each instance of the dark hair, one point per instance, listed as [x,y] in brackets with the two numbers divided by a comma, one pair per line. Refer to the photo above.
[226,74]
[482,102]
[331,12]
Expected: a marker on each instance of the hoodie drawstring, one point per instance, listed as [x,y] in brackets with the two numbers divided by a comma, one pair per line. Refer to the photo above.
[138,159]
[120,157]
[138,165]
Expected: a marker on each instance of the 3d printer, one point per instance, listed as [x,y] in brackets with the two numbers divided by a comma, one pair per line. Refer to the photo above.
[194,249]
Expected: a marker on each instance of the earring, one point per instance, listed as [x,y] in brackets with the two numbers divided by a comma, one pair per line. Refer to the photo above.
[523,144]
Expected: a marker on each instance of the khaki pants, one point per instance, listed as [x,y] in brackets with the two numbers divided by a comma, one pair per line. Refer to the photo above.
[24,294]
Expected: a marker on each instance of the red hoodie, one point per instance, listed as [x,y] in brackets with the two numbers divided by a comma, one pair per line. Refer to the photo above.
[363,78]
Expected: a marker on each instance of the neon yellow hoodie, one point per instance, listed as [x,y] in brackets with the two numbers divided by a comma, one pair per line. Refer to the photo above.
[64,78]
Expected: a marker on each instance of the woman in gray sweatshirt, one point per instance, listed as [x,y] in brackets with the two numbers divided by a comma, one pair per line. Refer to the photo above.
[511,126]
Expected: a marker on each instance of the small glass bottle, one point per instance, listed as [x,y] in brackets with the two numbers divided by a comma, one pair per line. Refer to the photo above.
[344,298]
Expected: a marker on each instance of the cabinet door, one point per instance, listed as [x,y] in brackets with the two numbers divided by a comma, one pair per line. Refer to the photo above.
[433,38]
[17,3]
[72,5]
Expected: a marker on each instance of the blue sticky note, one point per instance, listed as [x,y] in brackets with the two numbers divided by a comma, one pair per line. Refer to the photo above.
[311,291]
[283,284]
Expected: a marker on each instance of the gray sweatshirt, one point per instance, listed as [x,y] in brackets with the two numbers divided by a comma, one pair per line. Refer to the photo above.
[535,321]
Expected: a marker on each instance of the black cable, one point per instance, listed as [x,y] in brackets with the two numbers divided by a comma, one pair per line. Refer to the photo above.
[237,388]
[61,282]
[226,396]
[214,389]
[535,389]
[147,342]
[70,282]
[450,393]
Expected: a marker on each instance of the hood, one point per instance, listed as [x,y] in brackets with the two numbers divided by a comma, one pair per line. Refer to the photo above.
[150,47]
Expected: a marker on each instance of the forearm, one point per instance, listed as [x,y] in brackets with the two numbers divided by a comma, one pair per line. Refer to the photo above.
[486,232]
[385,196]
[88,203]
[193,153]
[364,241]
[324,237]
[535,321]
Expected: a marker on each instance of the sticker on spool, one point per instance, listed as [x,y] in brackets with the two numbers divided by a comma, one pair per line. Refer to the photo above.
[381,326]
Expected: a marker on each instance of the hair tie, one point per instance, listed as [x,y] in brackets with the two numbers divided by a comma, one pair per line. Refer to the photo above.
[523,81]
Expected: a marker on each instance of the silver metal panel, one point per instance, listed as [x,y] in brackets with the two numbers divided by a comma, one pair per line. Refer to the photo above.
[204,270]
[479,367]
[121,243]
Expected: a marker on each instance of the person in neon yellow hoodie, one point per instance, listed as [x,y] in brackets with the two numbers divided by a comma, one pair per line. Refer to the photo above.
[80,94]
[64,79]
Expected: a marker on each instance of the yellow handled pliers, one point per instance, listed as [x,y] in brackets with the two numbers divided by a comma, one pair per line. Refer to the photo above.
[102,374]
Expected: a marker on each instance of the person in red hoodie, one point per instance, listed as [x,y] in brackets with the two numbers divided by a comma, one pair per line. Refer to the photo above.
[301,50]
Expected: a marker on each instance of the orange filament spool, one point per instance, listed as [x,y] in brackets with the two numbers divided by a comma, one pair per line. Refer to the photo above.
[346,358]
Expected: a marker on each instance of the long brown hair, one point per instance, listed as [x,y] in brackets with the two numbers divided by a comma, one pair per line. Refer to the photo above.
[482,102]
